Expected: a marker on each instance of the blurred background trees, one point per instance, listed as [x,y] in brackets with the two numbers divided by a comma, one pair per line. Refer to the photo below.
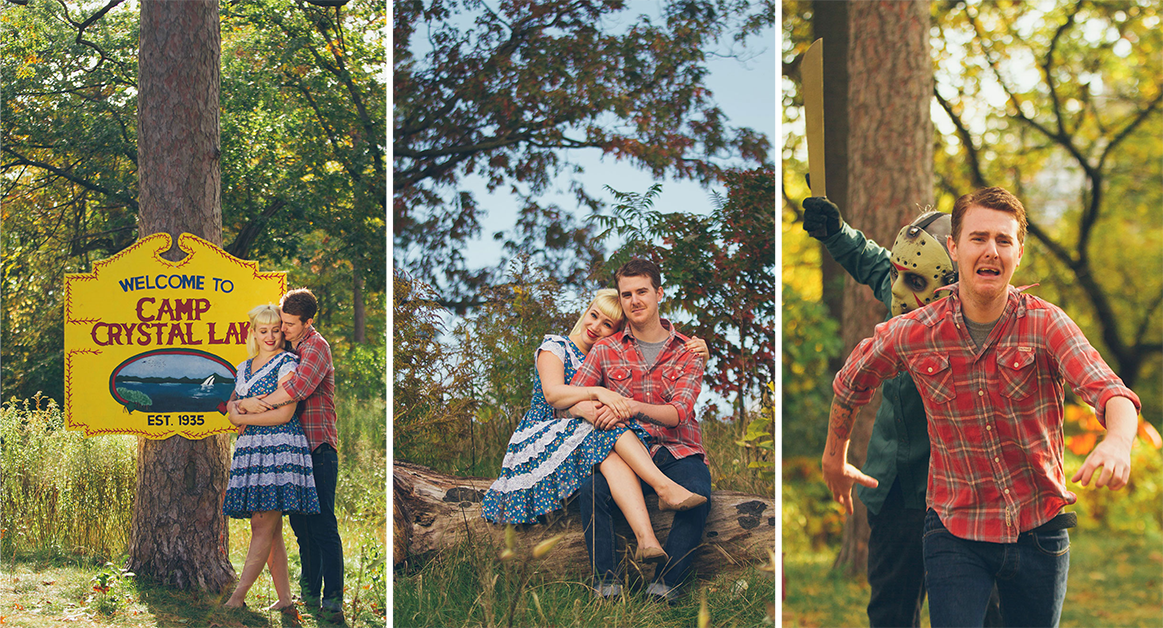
[1059,103]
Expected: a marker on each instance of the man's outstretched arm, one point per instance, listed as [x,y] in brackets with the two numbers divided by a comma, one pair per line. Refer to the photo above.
[1113,454]
[839,475]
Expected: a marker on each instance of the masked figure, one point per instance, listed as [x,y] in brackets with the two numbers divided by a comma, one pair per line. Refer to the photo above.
[920,262]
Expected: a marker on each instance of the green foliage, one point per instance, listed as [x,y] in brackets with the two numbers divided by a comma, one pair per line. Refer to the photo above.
[759,439]
[63,494]
[430,420]
[810,339]
[812,520]
[496,343]
[108,585]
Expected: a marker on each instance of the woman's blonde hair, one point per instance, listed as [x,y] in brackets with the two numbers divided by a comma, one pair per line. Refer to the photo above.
[606,300]
[260,315]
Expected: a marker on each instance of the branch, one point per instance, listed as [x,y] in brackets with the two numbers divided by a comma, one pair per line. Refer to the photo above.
[64,174]
[966,139]
[83,25]
[240,247]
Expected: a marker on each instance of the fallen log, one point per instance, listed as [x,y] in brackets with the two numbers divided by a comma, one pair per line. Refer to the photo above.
[434,511]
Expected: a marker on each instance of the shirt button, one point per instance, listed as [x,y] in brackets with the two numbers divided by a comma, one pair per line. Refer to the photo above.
[997,459]
[930,369]
[988,427]
[1007,491]
[980,393]
[1015,365]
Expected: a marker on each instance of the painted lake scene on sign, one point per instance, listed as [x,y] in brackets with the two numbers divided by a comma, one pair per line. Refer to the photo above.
[173,380]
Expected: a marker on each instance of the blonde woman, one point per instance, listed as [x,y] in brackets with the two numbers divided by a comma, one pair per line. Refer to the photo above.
[548,458]
[271,473]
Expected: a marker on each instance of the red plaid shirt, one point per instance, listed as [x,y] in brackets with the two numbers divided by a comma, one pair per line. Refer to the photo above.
[676,378]
[995,413]
[313,385]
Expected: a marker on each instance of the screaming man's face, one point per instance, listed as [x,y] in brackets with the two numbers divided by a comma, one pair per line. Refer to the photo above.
[920,265]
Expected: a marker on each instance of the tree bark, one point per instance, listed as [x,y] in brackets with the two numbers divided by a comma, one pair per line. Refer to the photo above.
[179,535]
[433,511]
[889,175]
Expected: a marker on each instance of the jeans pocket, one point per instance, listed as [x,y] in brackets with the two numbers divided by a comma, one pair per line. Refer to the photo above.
[1054,543]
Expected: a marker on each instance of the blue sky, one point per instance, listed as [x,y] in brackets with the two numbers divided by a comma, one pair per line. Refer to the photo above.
[745,90]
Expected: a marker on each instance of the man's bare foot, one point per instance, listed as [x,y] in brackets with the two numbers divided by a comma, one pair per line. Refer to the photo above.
[679,498]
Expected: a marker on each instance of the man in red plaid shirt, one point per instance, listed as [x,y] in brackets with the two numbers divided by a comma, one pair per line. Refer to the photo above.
[989,362]
[313,385]
[647,363]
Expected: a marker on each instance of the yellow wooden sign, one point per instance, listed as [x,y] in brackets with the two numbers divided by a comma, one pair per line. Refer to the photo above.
[151,345]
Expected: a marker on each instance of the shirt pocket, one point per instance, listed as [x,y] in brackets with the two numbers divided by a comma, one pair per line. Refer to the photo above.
[671,376]
[933,377]
[1016,368]
[621,380]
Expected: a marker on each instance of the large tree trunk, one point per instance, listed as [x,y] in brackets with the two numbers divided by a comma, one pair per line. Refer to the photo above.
[889,174]
[179,535]
[434,511]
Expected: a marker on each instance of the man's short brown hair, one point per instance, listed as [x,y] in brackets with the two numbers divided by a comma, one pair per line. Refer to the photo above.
[300,302]
[990,198]
[639,267]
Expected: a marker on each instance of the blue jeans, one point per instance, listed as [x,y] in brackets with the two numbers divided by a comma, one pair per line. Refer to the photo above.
[320,549]
[686,532]
[1030,576]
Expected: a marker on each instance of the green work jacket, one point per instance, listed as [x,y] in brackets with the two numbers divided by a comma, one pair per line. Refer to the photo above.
[899,447]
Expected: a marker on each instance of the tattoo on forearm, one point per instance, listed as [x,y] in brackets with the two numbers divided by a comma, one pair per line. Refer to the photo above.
[840,424]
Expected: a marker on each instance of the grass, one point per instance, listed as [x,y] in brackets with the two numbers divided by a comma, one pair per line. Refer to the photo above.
[470,586]
[59,529]
[1116,580]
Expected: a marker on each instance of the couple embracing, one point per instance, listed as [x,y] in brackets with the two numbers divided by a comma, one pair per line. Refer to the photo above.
[286,458]
[618,393]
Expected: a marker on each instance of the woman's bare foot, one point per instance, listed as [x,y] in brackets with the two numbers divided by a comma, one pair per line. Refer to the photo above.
[679,498]
[232,603]
[283,607]
[651,554]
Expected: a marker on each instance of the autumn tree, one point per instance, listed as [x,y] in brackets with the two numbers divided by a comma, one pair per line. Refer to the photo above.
[1061,104]
[504,93]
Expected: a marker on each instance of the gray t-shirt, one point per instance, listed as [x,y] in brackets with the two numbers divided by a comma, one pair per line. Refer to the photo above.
[980,331]
[650,351]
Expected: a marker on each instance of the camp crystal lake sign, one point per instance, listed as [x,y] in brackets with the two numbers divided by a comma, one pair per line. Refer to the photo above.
[151,345]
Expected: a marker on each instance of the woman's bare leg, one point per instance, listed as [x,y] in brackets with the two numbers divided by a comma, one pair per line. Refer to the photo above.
[671,495]
[280,573]
[627,494]
[262,526]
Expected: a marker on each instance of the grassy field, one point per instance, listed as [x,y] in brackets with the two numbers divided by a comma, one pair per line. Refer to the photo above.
[1116,581]
[63,533]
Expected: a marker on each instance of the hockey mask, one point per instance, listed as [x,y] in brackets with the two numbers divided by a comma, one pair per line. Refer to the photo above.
[920,262]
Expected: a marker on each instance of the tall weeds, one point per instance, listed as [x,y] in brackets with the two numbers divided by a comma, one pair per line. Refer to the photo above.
[63,494]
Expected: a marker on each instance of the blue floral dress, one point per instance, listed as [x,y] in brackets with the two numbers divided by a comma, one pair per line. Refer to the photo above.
[548,458]
[271,468]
